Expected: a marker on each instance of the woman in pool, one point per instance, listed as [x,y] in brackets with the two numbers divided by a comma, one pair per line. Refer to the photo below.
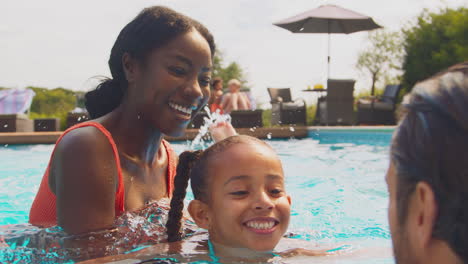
[161,68]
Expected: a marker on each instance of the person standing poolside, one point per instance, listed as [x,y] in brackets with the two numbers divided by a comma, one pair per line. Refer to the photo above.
[161,67]
[235,99]
[428,173]
[216,95]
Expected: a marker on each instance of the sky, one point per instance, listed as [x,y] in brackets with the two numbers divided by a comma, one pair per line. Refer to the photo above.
[55,43]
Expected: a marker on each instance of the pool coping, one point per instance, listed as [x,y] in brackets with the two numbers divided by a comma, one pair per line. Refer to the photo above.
[284,132]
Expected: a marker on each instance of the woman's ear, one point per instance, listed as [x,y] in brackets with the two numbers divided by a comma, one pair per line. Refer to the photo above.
[198,210]
[130,67]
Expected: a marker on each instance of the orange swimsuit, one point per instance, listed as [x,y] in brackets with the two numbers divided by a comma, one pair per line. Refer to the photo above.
[43,211]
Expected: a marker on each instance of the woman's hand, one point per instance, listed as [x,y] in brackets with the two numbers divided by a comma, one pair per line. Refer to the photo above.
[222,130]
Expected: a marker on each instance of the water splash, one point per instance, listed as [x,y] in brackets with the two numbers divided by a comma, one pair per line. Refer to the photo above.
[25,243]
[203,139]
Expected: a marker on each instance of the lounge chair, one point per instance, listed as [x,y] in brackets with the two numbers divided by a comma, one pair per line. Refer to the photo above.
[247,118]
[284,110]
[15,123]
[379,110]
[77,116]
[46,124]
[14,104]
[239,119]
[336,108]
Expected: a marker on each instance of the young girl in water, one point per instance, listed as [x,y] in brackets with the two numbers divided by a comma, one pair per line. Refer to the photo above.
[239,198]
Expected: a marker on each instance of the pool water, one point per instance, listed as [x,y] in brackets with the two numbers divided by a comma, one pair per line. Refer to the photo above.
[335,179]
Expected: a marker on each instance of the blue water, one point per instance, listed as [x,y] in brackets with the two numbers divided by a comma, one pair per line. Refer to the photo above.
[336,180]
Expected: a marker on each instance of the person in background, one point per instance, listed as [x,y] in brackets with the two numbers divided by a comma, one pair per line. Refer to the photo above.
[428,173]
[235,99]
[216,95]
[161,65]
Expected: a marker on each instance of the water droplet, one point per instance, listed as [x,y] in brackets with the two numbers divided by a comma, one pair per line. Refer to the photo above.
[6,125]
[291,129]
[269,135]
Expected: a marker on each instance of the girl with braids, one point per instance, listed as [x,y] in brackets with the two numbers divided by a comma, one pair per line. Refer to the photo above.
[239,197]
[161,65]
[241,206]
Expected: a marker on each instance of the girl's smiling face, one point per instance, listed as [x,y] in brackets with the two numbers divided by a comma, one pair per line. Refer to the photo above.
[247,204]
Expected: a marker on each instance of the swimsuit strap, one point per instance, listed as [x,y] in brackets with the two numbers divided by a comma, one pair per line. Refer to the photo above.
[211,252]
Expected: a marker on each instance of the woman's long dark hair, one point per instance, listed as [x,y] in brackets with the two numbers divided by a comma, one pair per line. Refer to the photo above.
[430,144]
[151,29]
[194,166]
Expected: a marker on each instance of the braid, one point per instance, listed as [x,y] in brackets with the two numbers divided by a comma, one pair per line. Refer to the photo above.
[173,225]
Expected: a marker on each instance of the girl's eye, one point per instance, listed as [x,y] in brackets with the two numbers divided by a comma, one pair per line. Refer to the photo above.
[276,191]
[178,70]
[239,193]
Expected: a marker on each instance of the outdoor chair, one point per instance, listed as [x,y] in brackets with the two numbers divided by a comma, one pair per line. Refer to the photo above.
[74,118]
[379,110]
[46,124]
[239,119]
[336,108]
[284,110]
[246,118]
[15,123]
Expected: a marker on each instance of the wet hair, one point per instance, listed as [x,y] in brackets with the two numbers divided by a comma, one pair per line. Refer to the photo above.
[430,145]
[195,166]
[151,29]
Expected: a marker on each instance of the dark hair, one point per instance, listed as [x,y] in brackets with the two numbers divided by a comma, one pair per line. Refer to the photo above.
[430,144]
[151,29]
[216,81]
[194,166]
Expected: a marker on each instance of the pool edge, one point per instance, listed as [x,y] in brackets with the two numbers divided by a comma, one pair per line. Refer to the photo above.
[283,132]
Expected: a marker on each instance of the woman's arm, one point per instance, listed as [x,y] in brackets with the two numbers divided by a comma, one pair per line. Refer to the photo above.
[83,176]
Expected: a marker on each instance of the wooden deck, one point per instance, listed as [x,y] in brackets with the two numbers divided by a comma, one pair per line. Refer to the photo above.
[51,137]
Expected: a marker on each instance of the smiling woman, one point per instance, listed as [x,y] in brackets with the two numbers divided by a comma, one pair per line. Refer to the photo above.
[161,69]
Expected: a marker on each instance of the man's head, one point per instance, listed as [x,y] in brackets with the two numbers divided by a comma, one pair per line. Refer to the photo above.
[428,174]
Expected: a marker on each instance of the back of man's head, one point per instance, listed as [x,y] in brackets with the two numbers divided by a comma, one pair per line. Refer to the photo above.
[430,145]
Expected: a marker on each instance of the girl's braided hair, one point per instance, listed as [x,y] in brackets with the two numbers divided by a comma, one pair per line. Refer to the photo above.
[193,165]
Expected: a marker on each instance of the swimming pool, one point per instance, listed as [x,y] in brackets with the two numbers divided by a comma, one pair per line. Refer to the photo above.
[335,178]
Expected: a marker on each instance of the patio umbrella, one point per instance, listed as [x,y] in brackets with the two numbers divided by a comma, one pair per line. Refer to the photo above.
[328,19]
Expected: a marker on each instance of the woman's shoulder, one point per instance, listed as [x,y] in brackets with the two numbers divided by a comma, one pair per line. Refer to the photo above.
[84,137]
[86,145]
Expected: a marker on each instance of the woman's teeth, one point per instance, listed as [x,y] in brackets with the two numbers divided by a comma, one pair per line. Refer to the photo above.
[186,110]
[260,224]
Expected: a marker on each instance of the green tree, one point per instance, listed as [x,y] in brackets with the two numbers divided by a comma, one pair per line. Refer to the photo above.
[435,42]
[382,58]
[232,71]
[52,103]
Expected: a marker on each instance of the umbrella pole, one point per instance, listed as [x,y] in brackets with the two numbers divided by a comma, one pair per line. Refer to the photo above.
[328,55]
[328,71]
